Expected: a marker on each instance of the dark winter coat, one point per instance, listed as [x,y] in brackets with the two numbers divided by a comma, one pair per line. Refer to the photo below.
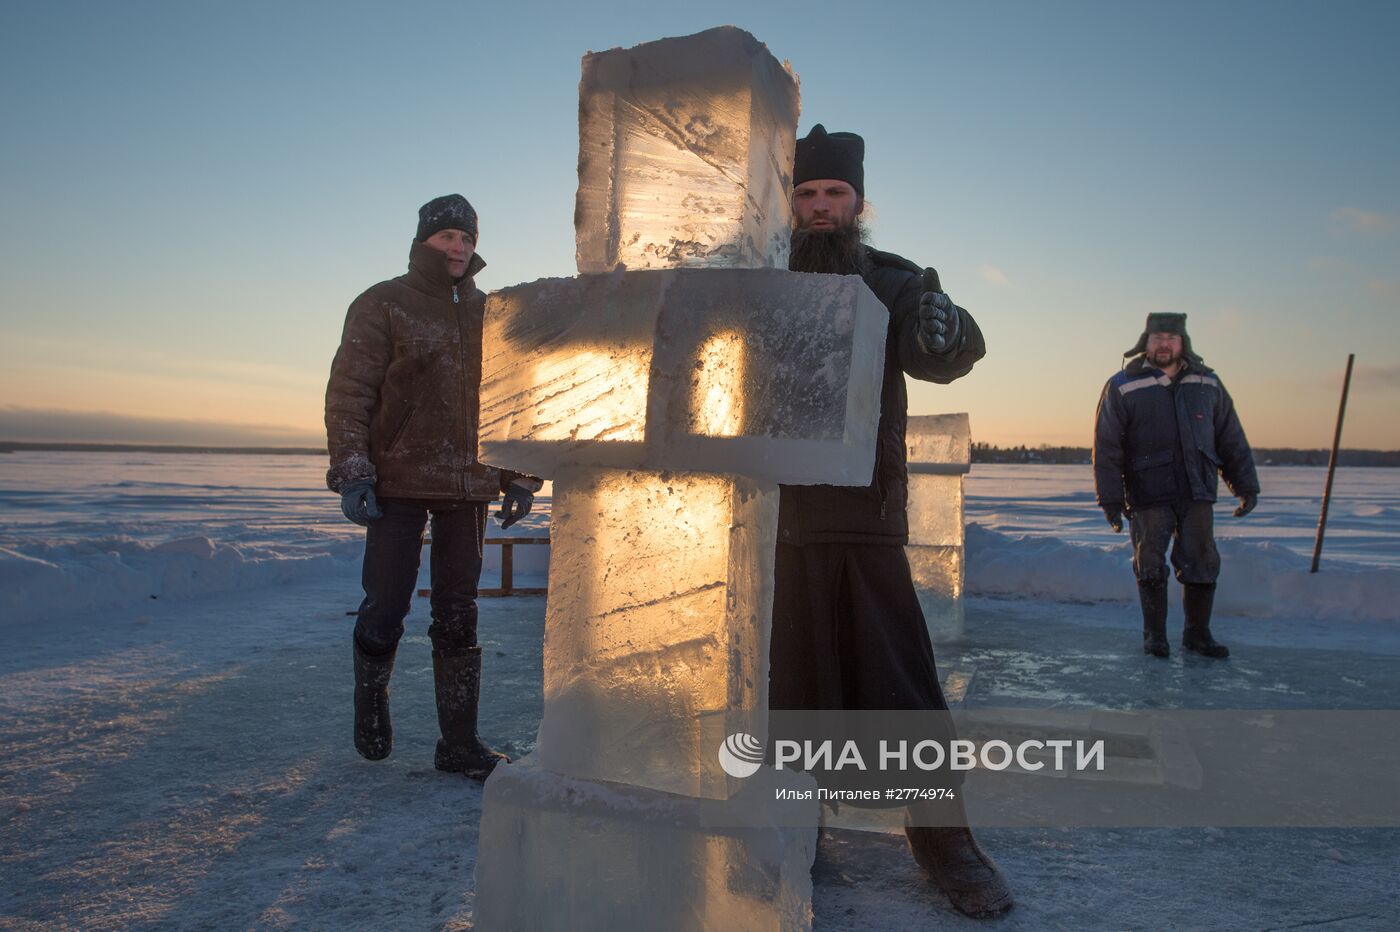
[875,513]
[1159,440]
[402,401]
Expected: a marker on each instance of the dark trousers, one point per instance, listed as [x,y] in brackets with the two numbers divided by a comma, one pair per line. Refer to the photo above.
[1188,528]
[848,632]
[393,550]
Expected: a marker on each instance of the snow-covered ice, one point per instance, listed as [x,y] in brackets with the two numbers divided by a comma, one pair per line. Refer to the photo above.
[185,760]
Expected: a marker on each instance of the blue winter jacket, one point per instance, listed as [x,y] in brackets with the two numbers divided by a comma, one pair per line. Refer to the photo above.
[1146,435]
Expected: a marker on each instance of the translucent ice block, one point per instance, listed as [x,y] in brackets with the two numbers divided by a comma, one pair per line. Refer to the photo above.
[935,509]
[685,155]
[939,444]
[561,853]
[660,600]
[938,580]
[756,372]
[939,455]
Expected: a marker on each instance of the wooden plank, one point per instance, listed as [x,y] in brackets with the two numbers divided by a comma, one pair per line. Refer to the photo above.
[507,586]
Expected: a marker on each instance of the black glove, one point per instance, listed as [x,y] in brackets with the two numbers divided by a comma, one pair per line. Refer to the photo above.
[1247,503]
[1113,511]
[940,325]
[358,503]
[515,505]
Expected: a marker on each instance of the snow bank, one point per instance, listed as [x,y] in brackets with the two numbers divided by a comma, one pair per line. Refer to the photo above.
[58,579]
[1257,579]
[41,580]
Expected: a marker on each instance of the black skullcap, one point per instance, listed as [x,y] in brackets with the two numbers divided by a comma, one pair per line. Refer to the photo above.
[449,212]
[830,155]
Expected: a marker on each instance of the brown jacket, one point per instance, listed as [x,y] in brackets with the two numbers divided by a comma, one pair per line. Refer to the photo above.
[403,397]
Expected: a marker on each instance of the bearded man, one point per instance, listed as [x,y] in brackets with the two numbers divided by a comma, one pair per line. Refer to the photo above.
[848,632]
[1166,429]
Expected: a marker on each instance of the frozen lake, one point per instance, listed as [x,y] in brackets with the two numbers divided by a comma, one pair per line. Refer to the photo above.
[87,530]
[1363,522]
[176,731]
[281,503]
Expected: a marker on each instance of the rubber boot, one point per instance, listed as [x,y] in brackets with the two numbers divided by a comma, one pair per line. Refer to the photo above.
[1196,602]
[1153,597]
[952,857]
[457,683]
[374,734]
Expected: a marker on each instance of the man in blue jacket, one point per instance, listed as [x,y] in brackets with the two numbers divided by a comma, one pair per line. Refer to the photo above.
[1166,431]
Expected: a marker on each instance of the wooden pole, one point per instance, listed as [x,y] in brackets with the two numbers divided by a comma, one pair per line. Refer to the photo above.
[1332,465]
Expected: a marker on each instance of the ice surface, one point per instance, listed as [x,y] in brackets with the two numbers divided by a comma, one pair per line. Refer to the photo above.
[685,155]
[660,597]
[122,813]
[575,854]
[940,453]
[757,372]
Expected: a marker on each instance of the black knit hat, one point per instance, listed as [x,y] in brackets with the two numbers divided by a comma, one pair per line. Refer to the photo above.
[449,212]
[830,155]
[1165,323]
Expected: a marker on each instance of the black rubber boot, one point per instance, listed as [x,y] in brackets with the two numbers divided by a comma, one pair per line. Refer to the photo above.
[374,734]
[457,683]
[959,866]
[1196,601]
[1153,597]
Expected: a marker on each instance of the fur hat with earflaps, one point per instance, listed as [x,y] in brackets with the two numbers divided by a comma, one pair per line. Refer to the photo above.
[1165,323]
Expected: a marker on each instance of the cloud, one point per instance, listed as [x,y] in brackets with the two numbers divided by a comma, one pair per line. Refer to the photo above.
[1330,264]
[1346,220]
[1385,289]
[991,273]
[54,425]
[1382,377]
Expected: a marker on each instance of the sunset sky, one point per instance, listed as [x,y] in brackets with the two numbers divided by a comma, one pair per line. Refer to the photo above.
[193,193]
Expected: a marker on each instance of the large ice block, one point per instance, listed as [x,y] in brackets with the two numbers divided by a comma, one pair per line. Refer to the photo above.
[560,853]
[685,155]
[940,454]
[660,599]
[756,372]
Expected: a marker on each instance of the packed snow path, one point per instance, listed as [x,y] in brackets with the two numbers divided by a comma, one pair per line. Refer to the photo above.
[188,764]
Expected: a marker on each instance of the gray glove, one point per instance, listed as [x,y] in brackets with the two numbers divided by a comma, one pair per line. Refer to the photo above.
[1113,511]
[358,503]
[940,325]
[515,505]
[1247,503]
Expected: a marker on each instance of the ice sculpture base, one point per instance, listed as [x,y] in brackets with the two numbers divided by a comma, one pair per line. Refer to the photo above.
[561,853]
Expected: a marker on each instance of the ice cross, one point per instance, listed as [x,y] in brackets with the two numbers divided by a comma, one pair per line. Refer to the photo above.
[666,391]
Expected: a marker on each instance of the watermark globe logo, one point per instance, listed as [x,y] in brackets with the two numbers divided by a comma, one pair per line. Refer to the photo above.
[741,755]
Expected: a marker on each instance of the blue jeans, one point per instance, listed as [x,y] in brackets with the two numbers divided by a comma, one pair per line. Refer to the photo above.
[393,550]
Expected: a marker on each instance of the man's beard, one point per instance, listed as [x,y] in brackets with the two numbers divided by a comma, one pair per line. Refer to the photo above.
[1157,360]
[835,252]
